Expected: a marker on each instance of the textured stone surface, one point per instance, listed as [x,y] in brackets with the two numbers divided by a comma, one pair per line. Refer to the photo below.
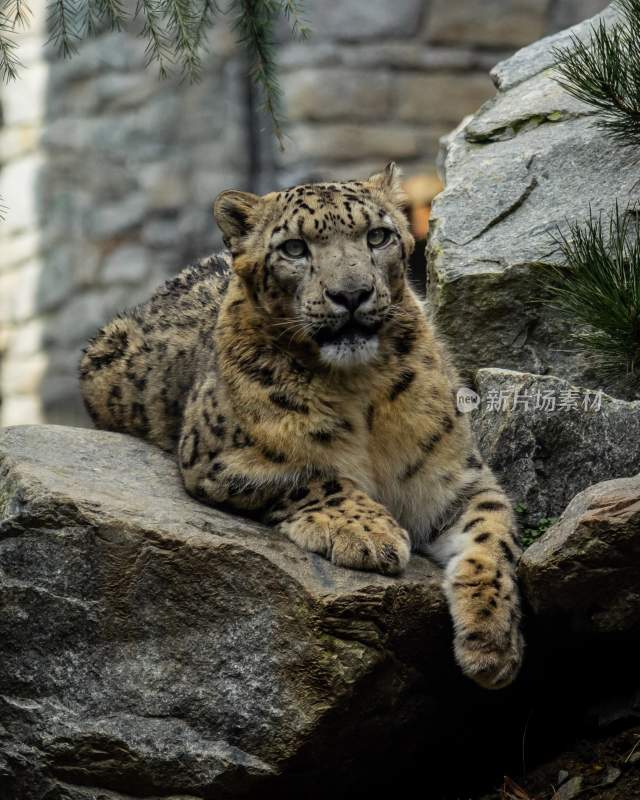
[440,97]
[565,14]
[539,102]
[411,69]
[411,54]
[126,264]
[340,93]
[549,440]
[586,565]
[345,141]
[364,19]
[151,645]
[505,22]
[100,153]
[530,160]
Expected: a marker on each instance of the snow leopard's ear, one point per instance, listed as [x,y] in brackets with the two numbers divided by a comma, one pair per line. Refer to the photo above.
[235,214]
[389,183]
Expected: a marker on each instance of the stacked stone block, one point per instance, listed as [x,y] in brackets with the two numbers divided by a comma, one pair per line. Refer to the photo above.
[108,175]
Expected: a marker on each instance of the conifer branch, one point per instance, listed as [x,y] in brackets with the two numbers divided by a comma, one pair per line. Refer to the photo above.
[97,12]
[14,14]
[181,20]
[604,72]
[597,286]
[293,12]
[254,23]
[64,26]
[158,48]
[208,11]
[174,31]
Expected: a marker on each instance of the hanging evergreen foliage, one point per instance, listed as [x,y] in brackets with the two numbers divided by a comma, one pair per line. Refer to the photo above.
[175,32]
[597,287]
[604,72]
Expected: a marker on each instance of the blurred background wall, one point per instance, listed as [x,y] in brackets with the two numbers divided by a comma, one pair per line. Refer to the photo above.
[109,173]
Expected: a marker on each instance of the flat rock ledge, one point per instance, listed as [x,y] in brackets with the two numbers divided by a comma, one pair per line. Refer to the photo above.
[152,645]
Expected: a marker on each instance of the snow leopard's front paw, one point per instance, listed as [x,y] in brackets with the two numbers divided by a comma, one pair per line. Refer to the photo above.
[353,532]
[485,609]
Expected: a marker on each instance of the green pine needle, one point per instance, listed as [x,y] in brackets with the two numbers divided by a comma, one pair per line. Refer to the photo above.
[604,72]
[293,12]
[65,19]
[96,12]
[204,20]
[254,24]
[19,12]
[181,18]
[159,47]
[174,31]
[9,62]
[14,14]
[597,286]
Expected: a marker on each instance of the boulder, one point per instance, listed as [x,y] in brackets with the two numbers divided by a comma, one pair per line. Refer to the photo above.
[151,645]
[547,440]
[530,160]
[586,565]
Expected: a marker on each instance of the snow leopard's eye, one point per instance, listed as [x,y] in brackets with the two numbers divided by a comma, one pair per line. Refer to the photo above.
[294,248]
[378,237]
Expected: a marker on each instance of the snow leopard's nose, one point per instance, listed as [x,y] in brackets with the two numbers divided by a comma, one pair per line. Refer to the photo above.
[350,299]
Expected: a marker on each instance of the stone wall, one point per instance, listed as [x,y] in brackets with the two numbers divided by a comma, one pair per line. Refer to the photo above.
[381,80]
[109,174]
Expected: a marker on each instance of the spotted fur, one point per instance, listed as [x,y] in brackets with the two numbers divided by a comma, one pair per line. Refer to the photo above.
[298,380]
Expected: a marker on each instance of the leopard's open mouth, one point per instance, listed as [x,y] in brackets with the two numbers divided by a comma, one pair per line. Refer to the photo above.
[351,331]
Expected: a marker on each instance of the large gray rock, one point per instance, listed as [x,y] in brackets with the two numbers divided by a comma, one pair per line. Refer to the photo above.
[150,645]
[153,647]
[548,440]
[527,162]
[586,565]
